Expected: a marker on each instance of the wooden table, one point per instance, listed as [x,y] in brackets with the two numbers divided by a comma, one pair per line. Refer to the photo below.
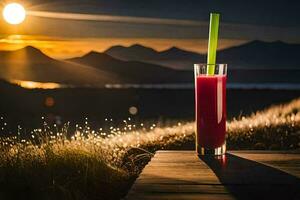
[237,175]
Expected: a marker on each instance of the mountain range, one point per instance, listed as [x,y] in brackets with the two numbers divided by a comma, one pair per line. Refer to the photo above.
[252,55]
[92,69]
[251,62]
[131,71]
[30,64]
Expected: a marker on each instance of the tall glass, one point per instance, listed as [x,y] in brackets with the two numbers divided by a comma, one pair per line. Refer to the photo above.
[210,109]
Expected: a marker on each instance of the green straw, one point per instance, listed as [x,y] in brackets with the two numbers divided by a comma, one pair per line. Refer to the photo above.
[212,42]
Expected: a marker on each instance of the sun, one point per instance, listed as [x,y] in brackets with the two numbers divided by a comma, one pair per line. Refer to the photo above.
[14,13]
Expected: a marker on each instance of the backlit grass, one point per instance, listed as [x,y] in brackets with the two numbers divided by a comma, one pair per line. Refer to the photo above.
[101,164]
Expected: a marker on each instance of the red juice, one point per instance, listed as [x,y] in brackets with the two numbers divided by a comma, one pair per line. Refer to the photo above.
[210,93]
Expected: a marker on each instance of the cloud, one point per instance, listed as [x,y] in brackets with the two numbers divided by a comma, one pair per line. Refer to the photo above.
[115,18]
[76,25]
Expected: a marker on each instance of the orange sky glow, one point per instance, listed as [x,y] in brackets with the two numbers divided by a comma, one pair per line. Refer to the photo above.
[62,48]
[64,35]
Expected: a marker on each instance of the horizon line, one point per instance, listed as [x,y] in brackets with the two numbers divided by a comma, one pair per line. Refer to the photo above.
[145,46]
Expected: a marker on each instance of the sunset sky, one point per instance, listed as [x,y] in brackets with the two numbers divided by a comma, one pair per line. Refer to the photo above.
[159,24]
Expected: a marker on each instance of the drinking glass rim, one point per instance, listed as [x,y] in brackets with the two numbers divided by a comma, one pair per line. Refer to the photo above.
[201,68]
[205,64]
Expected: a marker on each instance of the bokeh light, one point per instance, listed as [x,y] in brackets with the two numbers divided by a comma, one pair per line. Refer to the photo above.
[133,110]
[49,101]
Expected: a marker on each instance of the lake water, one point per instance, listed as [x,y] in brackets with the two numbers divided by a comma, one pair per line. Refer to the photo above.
[249,86]
[64,103]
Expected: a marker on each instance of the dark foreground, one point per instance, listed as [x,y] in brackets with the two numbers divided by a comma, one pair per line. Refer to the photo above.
[90,166]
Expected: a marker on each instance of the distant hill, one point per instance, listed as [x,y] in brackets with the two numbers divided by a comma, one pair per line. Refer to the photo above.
[134,52]
[262,55]
[142,73]
[96,69]
[30,64]
[173,57]
[139,52]
[252,55]
[92,69]
[131,71]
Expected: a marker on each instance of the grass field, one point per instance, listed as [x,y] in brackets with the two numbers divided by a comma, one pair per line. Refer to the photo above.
[102,164]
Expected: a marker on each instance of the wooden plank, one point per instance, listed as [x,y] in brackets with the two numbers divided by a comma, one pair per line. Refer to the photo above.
[238,175]
[285,161]
[167,188]
[177,175]
[180,196]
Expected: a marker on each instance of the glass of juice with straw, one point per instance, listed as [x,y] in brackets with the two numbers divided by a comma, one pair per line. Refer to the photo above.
[210,98]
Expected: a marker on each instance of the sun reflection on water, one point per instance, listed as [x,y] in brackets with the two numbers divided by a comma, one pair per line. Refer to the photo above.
[37,85]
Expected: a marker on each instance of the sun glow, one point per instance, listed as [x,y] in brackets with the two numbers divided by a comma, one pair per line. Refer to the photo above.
[14,13]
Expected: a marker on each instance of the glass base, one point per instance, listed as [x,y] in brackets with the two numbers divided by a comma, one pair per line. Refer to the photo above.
[202,151]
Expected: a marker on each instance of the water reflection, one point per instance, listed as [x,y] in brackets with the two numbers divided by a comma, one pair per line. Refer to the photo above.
[37,85]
